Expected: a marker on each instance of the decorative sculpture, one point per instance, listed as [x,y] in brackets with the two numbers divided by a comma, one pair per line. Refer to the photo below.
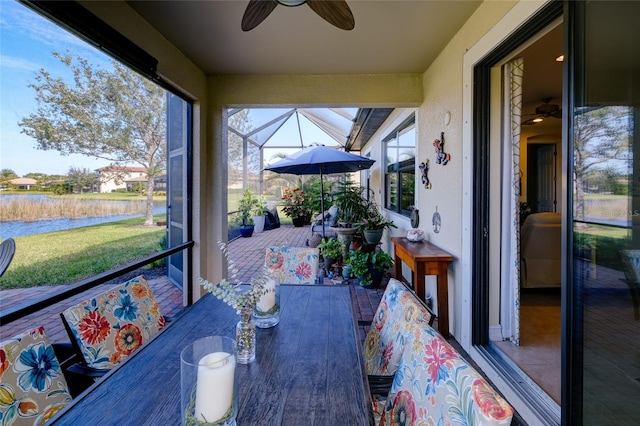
[441,156]
[424,169]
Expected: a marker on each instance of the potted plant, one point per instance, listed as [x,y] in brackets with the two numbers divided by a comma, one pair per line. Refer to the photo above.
[259,212]
[352,206]
[369,267]
[246,205]
[296,206]
[372,227]
[331,249]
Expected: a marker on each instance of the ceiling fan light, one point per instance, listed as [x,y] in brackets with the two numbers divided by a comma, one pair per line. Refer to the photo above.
[291,3]
[560,58]
[538,120]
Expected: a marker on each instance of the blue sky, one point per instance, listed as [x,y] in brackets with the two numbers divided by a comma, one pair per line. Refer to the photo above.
[27,42]
[26,45]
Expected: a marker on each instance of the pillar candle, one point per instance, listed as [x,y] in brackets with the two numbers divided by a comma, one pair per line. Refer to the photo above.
[214,389]
[268,299]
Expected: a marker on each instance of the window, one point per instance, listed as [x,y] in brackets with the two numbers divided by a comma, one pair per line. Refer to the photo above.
[400,173]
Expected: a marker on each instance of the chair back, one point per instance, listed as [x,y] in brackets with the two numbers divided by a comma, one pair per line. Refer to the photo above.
[435,385]
[399,311]
[107,328]
[7,250]
[294,265]
[32,384]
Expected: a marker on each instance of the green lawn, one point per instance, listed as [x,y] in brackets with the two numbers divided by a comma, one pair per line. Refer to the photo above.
[65,257]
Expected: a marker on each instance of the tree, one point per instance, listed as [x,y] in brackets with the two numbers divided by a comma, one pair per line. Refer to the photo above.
[117,116]
[80,178]
[7,174]
[601,135]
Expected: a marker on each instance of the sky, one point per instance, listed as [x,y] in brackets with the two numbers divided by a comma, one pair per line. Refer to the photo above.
[27,41]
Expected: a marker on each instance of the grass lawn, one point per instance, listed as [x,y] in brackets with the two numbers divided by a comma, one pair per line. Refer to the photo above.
[65,257]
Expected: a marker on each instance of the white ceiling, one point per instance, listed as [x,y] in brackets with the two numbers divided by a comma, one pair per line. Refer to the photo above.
[390,36]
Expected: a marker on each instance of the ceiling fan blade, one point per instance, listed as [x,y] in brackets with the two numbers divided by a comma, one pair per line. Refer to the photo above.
[336,12]
[256,12]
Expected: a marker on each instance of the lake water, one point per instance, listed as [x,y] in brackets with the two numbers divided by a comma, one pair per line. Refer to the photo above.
[19,228]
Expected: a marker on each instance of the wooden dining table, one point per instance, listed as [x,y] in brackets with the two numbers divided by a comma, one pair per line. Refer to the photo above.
[308,369]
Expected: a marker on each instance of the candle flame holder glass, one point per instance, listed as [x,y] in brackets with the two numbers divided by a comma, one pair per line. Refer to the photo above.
[266,313]
[208,385]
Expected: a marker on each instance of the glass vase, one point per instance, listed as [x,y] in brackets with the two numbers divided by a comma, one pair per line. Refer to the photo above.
[266,313]
[246,338]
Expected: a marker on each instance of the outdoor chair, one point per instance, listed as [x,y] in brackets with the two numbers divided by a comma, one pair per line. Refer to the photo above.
[294,265]
[33,386]
[330,218]
[7,250]
[109,327]
[398,313]
[435,385]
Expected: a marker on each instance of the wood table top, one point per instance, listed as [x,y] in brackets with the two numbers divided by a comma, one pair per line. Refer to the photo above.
[308,369]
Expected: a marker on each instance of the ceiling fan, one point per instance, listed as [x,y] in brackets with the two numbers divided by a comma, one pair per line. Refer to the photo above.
[543,111]
[336,12]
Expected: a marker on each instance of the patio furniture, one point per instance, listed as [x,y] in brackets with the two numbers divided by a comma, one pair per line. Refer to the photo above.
[398,313]
[33,386]
[326,219]
[111,326]
[294,265]
[540,251]
[308,369]
[424,258]
[7,250]
[435,385]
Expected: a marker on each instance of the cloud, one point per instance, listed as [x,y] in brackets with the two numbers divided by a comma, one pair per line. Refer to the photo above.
[19,63]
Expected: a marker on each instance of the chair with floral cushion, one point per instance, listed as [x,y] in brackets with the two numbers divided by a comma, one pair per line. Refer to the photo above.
[107,328]
[434,385]
[294,265]
[398,312]
[32,386]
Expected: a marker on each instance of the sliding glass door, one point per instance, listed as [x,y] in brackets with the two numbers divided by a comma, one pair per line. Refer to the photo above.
[602,313]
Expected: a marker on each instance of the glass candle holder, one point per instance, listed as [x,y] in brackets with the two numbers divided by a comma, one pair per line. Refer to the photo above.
[266,313]
[208,387]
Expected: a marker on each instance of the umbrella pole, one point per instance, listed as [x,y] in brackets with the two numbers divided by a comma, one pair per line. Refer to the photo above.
[322,202]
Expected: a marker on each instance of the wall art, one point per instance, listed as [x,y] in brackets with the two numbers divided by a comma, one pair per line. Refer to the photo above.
[441,156]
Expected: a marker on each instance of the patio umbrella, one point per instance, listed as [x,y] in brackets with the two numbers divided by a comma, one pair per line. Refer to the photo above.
[321,160]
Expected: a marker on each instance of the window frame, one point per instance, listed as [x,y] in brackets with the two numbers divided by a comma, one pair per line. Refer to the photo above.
[399,168]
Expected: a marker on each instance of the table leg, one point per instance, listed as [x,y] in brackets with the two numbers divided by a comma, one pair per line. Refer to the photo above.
[419,272]
[443,300]
[397,266]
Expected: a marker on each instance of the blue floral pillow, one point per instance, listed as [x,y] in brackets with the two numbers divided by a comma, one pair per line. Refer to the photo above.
[32,387]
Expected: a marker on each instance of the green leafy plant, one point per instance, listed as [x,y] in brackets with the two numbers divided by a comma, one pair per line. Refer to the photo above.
[375,222]
[352,204]
[360,261]
[261,207]
[246,205]
[331,247]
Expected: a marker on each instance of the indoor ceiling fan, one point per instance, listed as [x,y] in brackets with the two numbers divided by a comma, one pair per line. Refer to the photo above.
[336,12]
[543,111]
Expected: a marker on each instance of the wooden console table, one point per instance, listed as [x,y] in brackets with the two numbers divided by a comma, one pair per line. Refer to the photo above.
[424,258]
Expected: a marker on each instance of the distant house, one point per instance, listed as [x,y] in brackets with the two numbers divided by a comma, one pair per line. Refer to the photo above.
[23,183]
[113,178]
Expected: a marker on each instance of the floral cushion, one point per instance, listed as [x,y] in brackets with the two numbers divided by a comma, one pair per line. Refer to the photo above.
[32,387]
[294,265]
[434,385]
[399,310]
[110,326]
